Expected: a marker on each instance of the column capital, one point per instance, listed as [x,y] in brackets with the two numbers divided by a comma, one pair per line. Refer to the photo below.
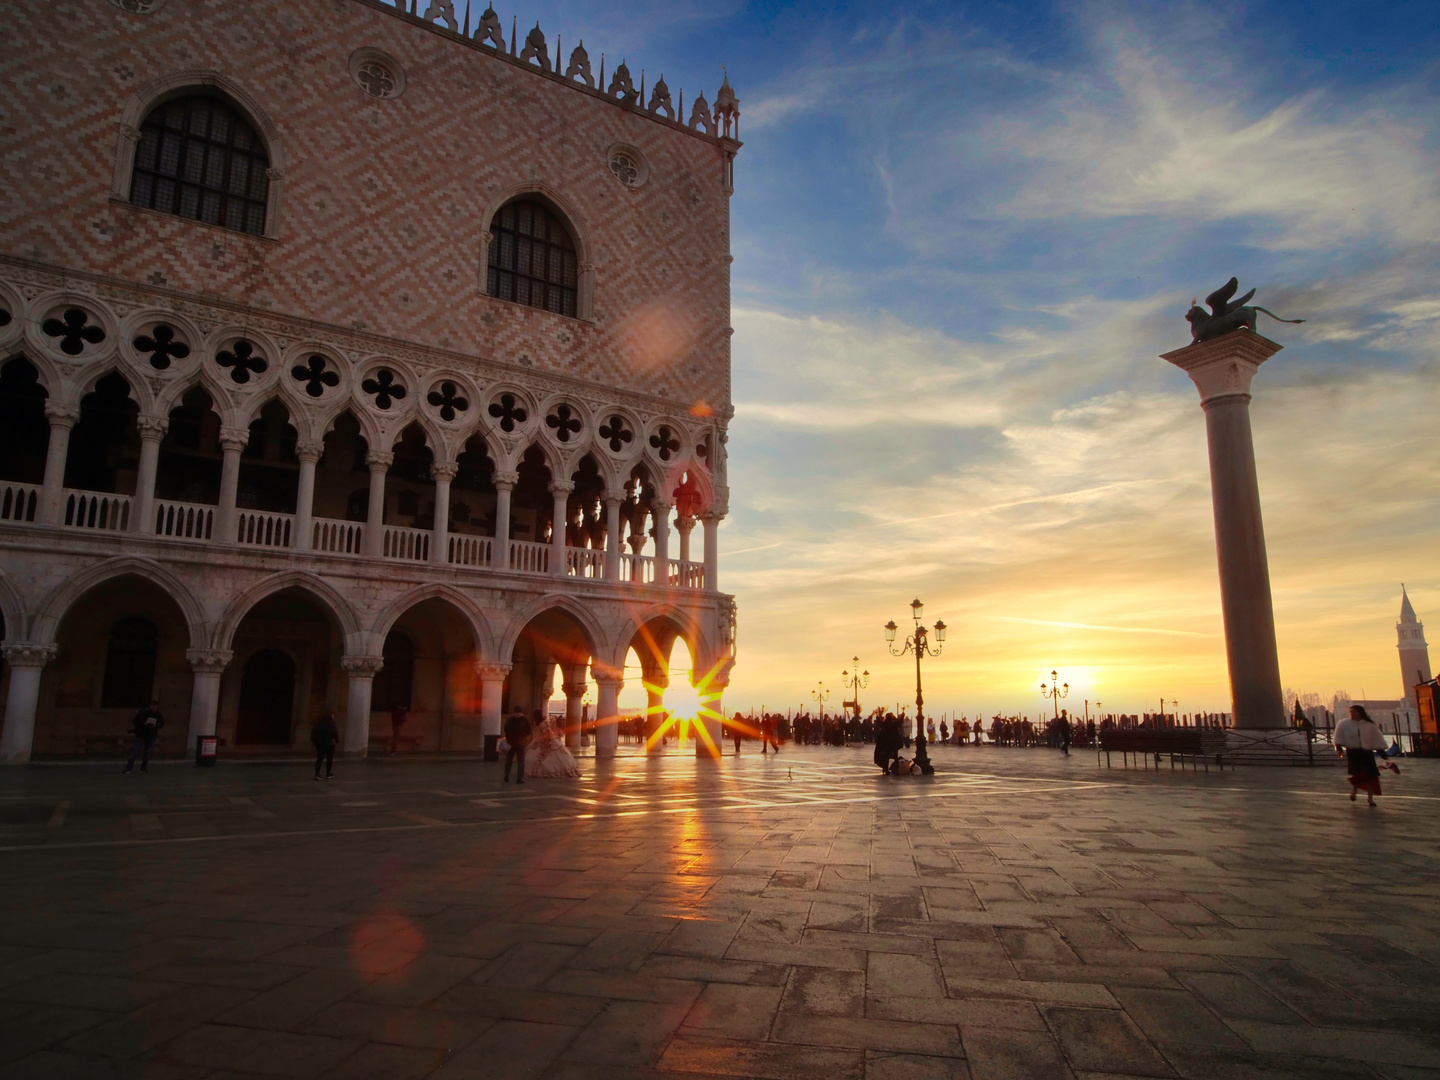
[684,523]
[61,414]
[209,661]
[29,654]
[505,479]
[363,666]
[613,495]
[444,470]
[309,451]
[616,684]
[234,438]
[152,428]
[712,514]
[379,462]
[1223,367]
[604,673]
[490,669]
[561,487]
[574,690]
[660,505]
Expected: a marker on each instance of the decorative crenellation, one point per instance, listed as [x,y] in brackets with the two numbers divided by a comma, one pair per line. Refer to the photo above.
[721,122]
[245,359]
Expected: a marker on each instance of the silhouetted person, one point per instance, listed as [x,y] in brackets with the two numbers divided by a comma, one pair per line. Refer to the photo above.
[324,734]
[1064,726]
[517,735]
[147,725]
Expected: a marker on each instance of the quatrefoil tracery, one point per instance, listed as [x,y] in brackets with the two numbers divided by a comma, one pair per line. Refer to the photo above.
[315,373]
[162,346]
[665,443]
[564,423]
[616,433]
[509,412]
[73,330]
[448,400]
[384,387]
[242,359]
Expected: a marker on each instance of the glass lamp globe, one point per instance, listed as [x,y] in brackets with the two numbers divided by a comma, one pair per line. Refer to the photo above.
[890,629]
[917,609]
[940,629]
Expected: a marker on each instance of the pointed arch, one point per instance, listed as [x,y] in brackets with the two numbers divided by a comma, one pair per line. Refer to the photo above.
[682,620]
[53,608]
[480,627]
[336,604]
[554,601]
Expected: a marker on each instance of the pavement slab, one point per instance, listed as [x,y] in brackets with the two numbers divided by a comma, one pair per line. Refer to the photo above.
[1017,915]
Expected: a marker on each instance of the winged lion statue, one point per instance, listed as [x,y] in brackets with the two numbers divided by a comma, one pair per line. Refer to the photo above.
[1225,314]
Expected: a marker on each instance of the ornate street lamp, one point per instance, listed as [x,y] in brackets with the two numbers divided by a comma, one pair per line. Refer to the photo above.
[1055,692]
[855,682]
[918,643]
[821,695]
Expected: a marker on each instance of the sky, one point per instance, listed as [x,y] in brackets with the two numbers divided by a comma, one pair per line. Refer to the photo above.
[963,233]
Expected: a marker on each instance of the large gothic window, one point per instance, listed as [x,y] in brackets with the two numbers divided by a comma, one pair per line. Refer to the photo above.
[532,257]
[198,158]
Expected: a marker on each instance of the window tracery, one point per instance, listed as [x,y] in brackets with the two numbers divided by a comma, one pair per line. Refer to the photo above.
[73,331]
[532,258]
[162,345]
[384,387]
[241,360]
[199,159]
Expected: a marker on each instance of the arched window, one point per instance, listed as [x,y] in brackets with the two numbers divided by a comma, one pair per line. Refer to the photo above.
[129,665]
[532,258]
[198,158]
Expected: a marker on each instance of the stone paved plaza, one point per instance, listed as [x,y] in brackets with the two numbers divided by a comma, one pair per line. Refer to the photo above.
[1022,915]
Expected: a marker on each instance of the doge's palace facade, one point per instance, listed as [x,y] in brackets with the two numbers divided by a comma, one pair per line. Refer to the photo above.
[353,358]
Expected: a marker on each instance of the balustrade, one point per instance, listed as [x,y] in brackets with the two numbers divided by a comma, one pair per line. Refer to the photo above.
[529,558]
[338,537]
[184,521]
[19,502]
[398,542]
[687,575]
[94,510]
[470,550]
[638,569]
[264,530]
[585,562]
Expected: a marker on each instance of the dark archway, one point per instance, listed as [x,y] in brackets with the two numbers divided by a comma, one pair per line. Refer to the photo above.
[394,684]
[472,493]
[130,664]
[190,454]
[269,468]
[267,699]
[532,506]
[342,478]
[104,452]
[24,431]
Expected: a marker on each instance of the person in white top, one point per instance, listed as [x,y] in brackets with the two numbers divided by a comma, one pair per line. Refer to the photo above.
[1358,738]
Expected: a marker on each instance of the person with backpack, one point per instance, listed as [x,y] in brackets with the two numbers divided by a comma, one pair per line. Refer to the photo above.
[325,734]
[146,725]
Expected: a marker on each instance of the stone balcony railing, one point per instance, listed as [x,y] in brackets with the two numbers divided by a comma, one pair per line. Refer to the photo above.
[197,524]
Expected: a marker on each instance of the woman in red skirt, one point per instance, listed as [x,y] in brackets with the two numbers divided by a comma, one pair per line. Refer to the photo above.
[1358,738]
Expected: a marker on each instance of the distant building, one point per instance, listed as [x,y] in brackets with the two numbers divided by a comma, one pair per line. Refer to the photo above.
[1399,716]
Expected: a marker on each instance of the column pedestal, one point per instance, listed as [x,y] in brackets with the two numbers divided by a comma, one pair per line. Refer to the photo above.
[360,675]
[492,689]
[1222,370]
[208,666]
[607,716]
[27,662]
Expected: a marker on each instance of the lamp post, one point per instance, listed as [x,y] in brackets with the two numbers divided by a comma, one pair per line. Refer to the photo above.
[820,694]
[1055,692]
[856,682]
[917,642]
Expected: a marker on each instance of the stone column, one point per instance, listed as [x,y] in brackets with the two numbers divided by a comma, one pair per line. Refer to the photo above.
[374,539]
[660,512]
[360,675]
[492,689]
[607,714]
[712,716]
[152,433]
[504,484]
[62,418]
[655,686]
[613,499]
[560,489]
[443,472]
[683,525]
[710,519]
[309,454]
[1221,370]
[27,661]
[208,666]
[574,687]
[232,442]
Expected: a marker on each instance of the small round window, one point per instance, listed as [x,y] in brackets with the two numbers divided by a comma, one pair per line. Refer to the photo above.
[377,73]
[627,165]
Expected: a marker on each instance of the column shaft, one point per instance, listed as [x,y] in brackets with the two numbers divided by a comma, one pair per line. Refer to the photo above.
[574,702]
[711,522]
[232,442]
[305,498]
[142,514]
[62,419]
[208,666]
[27,663]
[612,537]
[559,564]
[607,717]
[374,539]
[660,511]
[360,674]
[492,692]
[444,472]
[504,485]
